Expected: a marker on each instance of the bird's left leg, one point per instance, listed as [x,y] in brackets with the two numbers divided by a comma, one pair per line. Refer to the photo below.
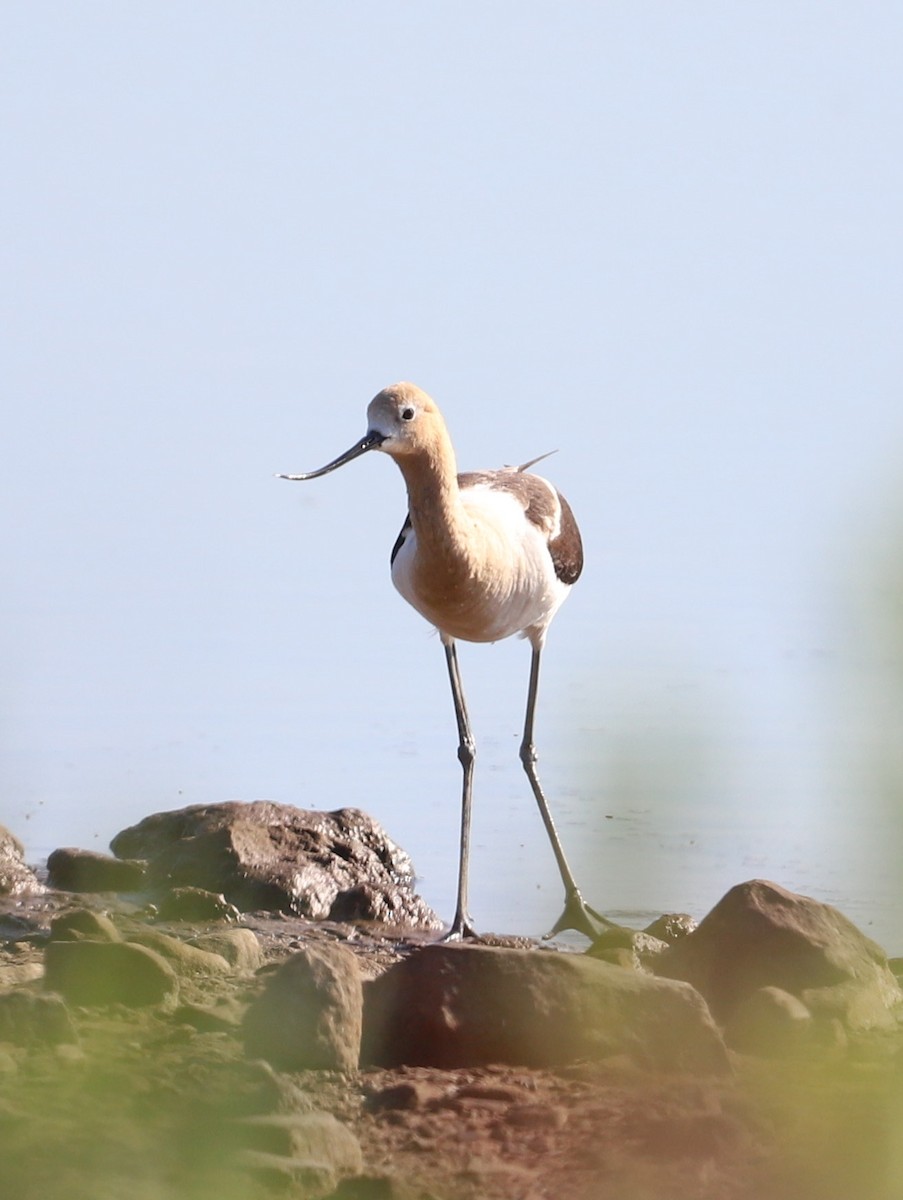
[577,913]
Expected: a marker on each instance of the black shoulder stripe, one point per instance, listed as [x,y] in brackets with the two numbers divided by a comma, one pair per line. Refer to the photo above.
[399,541]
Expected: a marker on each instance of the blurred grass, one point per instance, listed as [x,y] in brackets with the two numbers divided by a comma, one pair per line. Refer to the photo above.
[139,1115]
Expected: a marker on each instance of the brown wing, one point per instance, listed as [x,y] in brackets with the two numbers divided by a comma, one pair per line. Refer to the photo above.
[544,507]
[567,548]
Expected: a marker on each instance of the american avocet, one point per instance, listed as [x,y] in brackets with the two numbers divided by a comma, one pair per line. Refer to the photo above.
[482,556]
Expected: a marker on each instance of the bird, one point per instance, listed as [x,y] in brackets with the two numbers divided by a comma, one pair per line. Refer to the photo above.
[483,556]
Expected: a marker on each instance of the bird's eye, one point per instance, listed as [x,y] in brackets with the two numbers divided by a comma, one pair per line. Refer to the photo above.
[407,414]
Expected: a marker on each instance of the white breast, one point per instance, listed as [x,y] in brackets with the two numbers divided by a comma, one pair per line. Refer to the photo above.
[511,586]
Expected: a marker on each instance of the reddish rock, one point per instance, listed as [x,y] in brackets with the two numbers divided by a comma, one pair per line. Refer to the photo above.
[760,935]
[452,1005]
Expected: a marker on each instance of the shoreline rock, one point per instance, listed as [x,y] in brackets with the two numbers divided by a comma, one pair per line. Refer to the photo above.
[16,877]
[760,935]
[192,1051]
[73,870]
[459,1005]
[339,866]
[309,1016]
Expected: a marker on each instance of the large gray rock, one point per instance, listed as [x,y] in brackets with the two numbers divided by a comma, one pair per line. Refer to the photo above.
[761,935]
[309,1016]
[16,879]
[457,1005]
[108,973]
[339,865]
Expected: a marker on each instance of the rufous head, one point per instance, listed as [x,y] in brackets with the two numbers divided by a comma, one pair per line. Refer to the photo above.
[406,419]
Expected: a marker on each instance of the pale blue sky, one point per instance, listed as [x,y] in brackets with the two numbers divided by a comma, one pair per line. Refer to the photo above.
[663,239]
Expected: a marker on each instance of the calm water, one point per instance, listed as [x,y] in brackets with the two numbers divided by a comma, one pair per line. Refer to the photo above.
[633,865]
[662,803]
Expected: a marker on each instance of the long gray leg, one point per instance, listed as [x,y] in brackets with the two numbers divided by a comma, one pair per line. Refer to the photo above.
[462,925]
[577,913]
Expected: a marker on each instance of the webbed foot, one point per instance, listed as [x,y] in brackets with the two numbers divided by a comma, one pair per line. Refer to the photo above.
[579,916]
[462,927]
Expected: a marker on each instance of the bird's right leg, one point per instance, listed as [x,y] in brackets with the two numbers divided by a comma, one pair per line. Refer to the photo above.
[462,925]
[577,913]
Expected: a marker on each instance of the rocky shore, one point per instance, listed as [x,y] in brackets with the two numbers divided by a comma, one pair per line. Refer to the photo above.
[250,1001]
